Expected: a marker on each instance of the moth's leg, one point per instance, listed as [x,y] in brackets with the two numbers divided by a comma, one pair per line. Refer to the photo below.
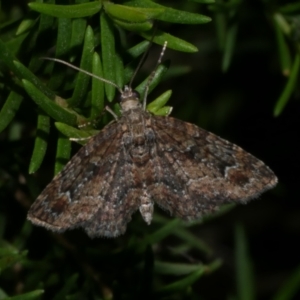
[107,108]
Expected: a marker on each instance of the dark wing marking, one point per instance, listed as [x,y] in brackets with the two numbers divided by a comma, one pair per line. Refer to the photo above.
[200,171]
[90,191]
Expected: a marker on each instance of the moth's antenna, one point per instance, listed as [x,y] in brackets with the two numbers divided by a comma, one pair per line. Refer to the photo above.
[153,73]
[142,60]
[85,72]
[140,63]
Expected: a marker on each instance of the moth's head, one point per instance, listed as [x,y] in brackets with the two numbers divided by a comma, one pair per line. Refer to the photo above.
[129,99]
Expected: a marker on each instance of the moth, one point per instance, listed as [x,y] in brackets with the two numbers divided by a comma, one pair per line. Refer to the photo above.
[140,160]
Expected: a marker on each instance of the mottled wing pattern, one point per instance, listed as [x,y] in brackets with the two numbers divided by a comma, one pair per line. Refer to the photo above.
[90,192]
[199,171]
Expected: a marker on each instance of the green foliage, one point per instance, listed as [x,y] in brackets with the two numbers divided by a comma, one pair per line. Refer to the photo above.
[108,39]
[80,10]
[244,271]
[290,287]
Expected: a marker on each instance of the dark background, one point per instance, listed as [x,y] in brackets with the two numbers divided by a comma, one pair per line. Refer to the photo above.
[237,105]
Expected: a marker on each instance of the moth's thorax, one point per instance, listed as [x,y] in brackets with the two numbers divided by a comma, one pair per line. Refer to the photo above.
[138,137]
[130,104]
[129,99]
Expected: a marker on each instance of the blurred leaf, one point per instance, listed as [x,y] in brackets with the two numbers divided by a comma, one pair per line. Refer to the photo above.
[82,80]
[67,11]
[97,87]
[77,37]
[135,51]
[69,286]
[135,27]
[290,288]
[63,152]
[175,43]
[27,296]
[15,44]
[82,135]
[159,235]
[51,108]
[164,111]
[131,14]
[61,49]
[25,25]
[45,24]
[289,87]
[108,55]
[291,8]
[138,49]
[24,73]
[229,46]
[186,282]
[41,142]
[64,30]
[159,102]
[9,256]
[282,23]
[9,109]
[169,14]
[283,49]
[193,241]
[204,1]
[3,295]
[244,271]
[159,73]
[119,71]
[176,269]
